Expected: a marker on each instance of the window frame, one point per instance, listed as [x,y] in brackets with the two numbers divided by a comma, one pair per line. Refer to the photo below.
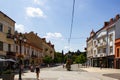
[1,27]
[1,46]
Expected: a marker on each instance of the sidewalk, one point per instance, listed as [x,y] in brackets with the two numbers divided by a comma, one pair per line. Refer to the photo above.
[103,70]
[108,72]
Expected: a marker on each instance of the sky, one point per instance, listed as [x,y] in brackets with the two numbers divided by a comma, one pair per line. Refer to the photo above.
[51,19]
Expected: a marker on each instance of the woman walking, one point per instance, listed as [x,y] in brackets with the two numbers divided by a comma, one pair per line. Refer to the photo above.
[37,71]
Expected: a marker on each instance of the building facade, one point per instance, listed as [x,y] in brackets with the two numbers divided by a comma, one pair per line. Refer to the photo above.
[117,54]
[32,50]
[90,49]
[7,27]
[104,43]
[48,48]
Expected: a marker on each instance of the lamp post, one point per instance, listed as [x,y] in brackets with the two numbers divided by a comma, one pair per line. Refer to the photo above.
[20,39]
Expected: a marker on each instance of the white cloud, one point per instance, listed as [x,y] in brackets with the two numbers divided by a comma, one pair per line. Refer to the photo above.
[53,35]
[19,27]
[35,12]
[40,2]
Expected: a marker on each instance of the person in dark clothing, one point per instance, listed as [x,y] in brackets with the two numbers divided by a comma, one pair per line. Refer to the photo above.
[37,71]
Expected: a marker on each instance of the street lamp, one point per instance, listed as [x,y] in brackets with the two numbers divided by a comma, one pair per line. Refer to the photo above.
[20,39]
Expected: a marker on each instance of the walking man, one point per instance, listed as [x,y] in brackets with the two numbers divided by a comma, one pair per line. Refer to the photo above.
[37,71]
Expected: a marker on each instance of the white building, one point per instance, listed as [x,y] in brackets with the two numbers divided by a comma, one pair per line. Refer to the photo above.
[104,43]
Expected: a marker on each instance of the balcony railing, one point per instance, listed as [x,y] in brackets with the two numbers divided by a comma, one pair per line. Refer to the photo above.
[102,44]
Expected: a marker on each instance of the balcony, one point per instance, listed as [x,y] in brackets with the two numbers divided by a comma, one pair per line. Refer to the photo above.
[9,35]
[102,44]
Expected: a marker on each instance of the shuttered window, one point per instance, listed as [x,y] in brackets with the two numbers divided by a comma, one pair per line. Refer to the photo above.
[1,46]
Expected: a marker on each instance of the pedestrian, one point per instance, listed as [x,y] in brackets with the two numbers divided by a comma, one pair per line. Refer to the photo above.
[22,69]
[32,68]
[37,71]
[101,66]
[63,65]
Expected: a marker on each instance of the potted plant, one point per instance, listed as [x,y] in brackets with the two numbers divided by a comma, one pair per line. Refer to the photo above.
[8,75]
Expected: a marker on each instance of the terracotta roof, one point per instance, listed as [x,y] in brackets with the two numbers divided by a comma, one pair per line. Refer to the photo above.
[34,39]
[106,25]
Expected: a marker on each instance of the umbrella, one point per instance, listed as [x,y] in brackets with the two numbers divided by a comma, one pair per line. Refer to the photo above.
[10,60]
[1,60]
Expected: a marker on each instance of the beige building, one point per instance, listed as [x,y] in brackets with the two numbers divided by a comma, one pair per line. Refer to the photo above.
[48,49]
[7,27]
[32,50]
[90,48]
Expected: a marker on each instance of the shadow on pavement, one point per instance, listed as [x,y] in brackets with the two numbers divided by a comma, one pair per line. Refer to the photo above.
[38,79]
[29,79]
[113,75]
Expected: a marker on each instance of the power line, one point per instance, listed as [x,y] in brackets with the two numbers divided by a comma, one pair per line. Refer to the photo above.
[71,22]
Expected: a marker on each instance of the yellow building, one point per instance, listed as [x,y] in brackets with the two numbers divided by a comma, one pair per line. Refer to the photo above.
[7,27]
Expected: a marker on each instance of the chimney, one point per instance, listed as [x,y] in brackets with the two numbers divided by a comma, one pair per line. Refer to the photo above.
[117,16]
[106,23]
[36,34]
[111,20]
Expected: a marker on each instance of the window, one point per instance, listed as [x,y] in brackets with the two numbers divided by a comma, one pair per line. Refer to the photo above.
[16,48]
[24,50]
[94,52]
[46,49]
[111,37]
[1,46]
[111,49]
[98,41]
[9,47]
[104,50]
[99,51]
[104,39]
[118,52]
[94,43]
[28,51]
[1,27]
[9,30]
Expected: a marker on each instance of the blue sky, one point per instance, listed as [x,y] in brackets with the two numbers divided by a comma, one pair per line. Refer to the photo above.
[52,19]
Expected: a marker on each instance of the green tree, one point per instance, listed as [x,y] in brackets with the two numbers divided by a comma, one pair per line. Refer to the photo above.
[59,57]
[80,59]
[47,60]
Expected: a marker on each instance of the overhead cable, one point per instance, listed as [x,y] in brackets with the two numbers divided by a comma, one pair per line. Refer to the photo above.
[69,39]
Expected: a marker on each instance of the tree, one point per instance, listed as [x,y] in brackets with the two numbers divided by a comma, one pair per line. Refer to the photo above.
[81,59]
[47,60]
[59,57]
